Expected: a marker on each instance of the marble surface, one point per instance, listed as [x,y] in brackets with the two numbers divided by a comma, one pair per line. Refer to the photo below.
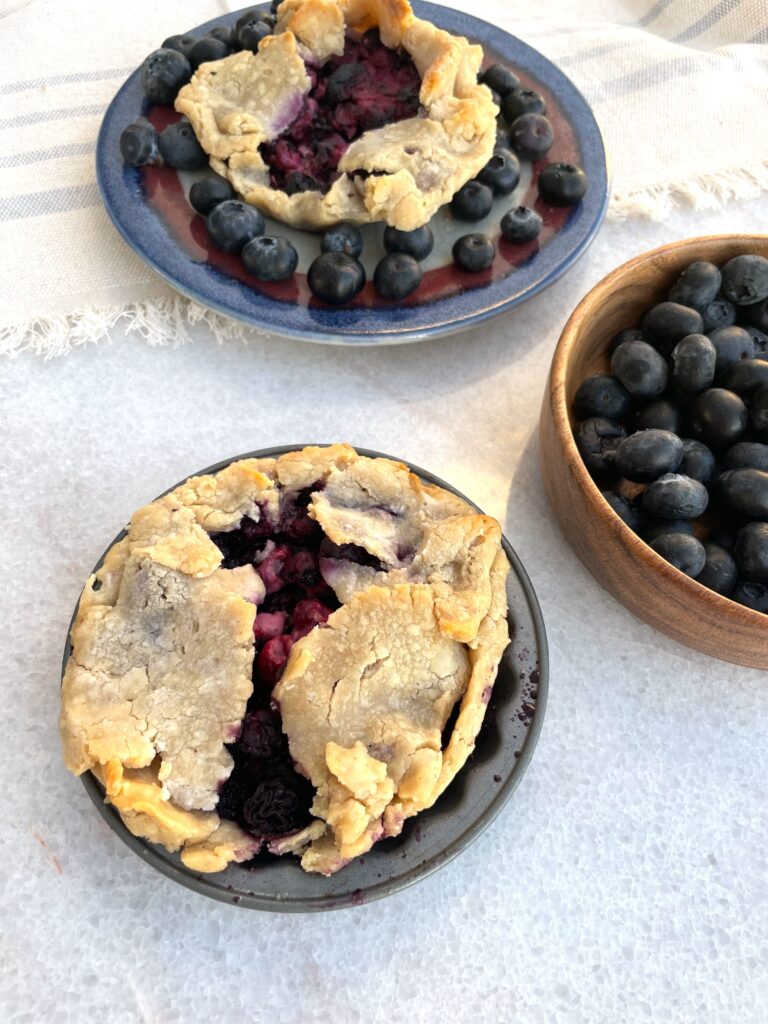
[627,880]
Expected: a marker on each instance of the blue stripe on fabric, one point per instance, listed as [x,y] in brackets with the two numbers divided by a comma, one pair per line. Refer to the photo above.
[56,200]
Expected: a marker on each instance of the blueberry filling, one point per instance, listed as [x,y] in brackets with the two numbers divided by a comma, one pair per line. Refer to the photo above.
[367,87]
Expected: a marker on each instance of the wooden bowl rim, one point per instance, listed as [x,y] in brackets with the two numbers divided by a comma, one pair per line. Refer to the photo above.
[571,333]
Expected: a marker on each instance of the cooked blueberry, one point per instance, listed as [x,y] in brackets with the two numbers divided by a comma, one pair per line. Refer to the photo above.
[752,552]
[270,259]
[746,492]
[719,572]
[747,455]
[206,49]
[759,412]
[745,280]
[601,395]
[746,376]
[342,81]
[474,252]
[698,461]
[681,550]
[625,509]
[668,322]
[521,225]
[233,223]
[502,173]
[662,527]
[179,147]
[596,439]
[162,75]
[472,202]
[182,44]
[562,184]
[628,334]
[500,79]
[522,101]
[397,276]
[418,243]
[662,414]
[342,238]
[718,417]
[756,315]
[336,278]
[222,33]
[693,364]
[531,136]
[297,181]
[731,345]
[640,369]
[752,595]
[648,454]
[674,496]
[250,35]
[697,286]
[208,193]
[138,144]
[719,313]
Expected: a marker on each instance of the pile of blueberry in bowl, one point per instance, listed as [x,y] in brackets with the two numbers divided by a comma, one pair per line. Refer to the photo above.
[676,435]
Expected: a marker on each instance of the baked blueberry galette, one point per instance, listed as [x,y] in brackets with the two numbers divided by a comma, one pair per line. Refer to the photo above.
[293,654]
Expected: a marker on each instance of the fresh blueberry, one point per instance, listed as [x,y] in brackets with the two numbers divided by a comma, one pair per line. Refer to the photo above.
[719,572]
[209,192]
[724,537]
[756,315]
[502,173]
[472,202]
[251,33]
[747,455]
[163,73]
[745,491]
[698,461]
[693,363]
[500,79]
[640,369]
[662,527]
[247,16]
[662,414]
[731,345]
[719,313]
[502,137]
[270,259]
[752,595]
[343,238]
[668,322]
[745,280]
[397,276]
[496,97]
[522,101]
[597,439]
[182,44]
[138,144]
[601,395]
[697,286]
[686,553]
[233,223]
[297,181]
[531,136]
[718,418]
[648,454]
[336,278]
[179,147]
[759,412]
[746,376]
[628,334]
[674,496]
[474,252]
[625,509]
[521,225]
[418,243]
[206,49]
[562,184]
[759,339]
[752,552]
[223,34]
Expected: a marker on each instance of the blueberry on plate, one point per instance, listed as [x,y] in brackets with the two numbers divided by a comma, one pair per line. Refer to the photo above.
[397,276]
[336,278]
[745,491]
[746,377]
[668,322]
[698,462]
[249,14]
[531,136]
[601,395]
[640,369]
[474,252]
[759,412]
[562,184]
[342,237]
[693,364]
[752,552]
[223,34]
[719,572]
[208,193]
[625,509]
[472,202]
[745,280]
[179,147]
[138,144]
[521,225]
[233,223]
[250,35]
[661,414]
[269,258]
[182,44]
[731,345]
[418,243]
[661,527]
[751,595]
[747,455]
[686,553]
[674,496]
[596,439]
[697,286]
[522,101]
[718,417]
[502,172]
[500,79]
[162,75]
[719,313]
[496,98]
[648,454]
[297,181]
[206,49]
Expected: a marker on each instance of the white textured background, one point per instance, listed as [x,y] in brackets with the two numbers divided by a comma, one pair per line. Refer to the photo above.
[627,880]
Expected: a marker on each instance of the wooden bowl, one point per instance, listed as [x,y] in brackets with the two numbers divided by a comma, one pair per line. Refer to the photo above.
[625,565]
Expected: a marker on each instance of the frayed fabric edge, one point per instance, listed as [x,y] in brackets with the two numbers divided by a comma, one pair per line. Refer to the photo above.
[699,192]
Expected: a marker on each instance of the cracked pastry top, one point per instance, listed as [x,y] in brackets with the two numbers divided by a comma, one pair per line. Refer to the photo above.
[292,655]
[354,110]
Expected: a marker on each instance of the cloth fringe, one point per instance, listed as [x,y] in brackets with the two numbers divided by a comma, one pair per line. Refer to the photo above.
[699,192]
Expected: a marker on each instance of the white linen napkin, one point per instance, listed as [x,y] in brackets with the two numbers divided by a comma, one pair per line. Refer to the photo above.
[679,87]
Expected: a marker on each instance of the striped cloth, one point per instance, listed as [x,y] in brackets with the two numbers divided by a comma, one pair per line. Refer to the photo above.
[680,88]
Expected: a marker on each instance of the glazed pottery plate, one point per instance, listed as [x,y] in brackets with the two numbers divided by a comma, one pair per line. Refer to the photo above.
[504,748]
[150,209]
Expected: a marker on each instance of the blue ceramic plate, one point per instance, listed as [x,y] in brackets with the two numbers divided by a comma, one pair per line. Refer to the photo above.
[149,207]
